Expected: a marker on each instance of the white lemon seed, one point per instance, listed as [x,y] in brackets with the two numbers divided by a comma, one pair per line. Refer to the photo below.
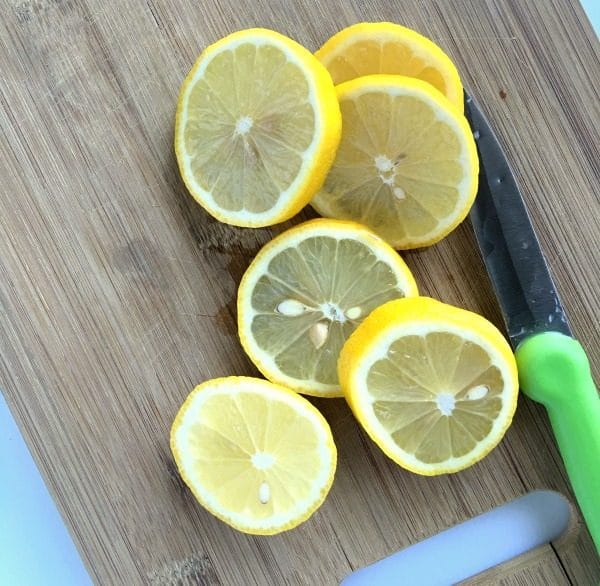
[478,392]
[291,308]
[318,334]
[264,493]
[353,313]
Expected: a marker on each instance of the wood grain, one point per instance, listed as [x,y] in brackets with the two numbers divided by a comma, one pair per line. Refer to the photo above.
[117,291]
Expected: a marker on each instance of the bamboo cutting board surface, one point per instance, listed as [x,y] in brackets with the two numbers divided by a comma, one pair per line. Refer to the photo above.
[117,292]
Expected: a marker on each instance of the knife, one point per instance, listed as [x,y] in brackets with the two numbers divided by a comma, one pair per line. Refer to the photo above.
[553,367]
[474,546]
[553,370]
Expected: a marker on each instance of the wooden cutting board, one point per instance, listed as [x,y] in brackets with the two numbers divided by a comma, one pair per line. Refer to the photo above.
[117,292]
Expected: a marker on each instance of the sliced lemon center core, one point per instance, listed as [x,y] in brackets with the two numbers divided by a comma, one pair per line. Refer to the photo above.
[383,164]
[446,403]
[332,311]
[243,125]
[387,170]
[262,460]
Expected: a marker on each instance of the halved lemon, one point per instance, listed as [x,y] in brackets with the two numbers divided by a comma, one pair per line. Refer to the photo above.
[256,455]
[306,292]
[434,386]
[369,48]
[256,129]
[407,163]
[383,47]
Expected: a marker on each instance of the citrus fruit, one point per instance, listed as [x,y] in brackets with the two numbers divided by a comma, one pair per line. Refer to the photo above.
[256,455]
[383,47]
[256,129]
[434,386]
[305,293]
[407,163]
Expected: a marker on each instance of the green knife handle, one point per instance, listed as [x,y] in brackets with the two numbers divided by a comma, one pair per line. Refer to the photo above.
[554,370]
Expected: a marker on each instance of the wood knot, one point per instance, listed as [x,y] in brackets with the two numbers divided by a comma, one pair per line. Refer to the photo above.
[196,570]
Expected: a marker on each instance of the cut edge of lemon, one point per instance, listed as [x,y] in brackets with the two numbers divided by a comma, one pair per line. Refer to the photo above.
[418,316]
[397,85]
[317,158]
[188,413]
[422,47]
[318,227]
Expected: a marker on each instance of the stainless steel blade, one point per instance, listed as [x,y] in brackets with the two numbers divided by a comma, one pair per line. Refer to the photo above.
[508,244]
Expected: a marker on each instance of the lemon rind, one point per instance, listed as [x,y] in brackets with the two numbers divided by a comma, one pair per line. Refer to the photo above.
[318,227]
[188,413]
[421,46]
[317,158]
[370,342]
[397,85]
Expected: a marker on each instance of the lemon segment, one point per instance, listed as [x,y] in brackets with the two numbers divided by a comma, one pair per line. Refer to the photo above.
[306,292]
[257,127]
[370,48]
[407,163]
[256,455]
[435,386]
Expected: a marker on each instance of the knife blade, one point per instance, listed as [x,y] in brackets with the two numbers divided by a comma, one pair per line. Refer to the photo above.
[473,546]
[524,288]
[553,367]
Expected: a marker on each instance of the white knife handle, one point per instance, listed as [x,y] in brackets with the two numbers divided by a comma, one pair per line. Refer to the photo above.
[473,546]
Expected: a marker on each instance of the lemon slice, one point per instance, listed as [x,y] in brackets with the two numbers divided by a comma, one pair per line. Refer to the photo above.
[256,129]
[434,386]
[305,293]
[382,47]
[407,163]
[256,455]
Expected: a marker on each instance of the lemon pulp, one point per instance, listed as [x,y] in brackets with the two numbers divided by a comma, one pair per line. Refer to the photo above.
[256,455]
[307,291]
[407,164]
[257,127]
[434,385]
[369,48]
